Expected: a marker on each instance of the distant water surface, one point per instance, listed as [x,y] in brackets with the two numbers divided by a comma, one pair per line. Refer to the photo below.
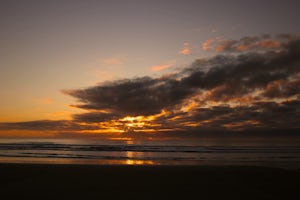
[148,153]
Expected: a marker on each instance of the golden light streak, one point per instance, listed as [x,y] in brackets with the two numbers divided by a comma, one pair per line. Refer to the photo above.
[128,139]
[190,124]
[147,130]
[108,130]
[139,123]
[169,129]
[189,106]
[240,125]
[175,118]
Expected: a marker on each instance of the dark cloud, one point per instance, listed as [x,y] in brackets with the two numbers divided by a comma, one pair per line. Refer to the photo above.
[239,75]
[263,116]
[140,96]
[35,125]
[48,125]
[96,117]
[282,89]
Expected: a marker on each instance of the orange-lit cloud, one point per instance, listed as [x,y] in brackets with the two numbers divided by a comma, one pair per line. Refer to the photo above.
[241,125]
[242,48]
[264,42]
[207,45]
[157,68]
[186,50]
[220,48]
[268,44]
[189,105]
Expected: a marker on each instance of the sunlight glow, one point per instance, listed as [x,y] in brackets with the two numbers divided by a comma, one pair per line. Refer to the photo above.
[141,123]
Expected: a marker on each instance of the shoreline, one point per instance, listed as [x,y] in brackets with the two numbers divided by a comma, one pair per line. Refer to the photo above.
[146,181]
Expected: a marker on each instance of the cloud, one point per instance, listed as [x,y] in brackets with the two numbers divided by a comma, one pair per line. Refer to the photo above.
[96,116]
[38,125]
[255,43]
[221,83]
[282,88]
[157,68]
[186,49]
[139,96]
[251,90]
[207,44]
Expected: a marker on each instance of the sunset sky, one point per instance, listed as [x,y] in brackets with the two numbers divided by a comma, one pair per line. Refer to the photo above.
[145,69]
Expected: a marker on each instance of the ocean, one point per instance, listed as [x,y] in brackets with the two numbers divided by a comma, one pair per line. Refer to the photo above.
[148,153]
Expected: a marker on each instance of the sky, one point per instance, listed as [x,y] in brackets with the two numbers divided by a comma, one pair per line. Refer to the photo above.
[149,69]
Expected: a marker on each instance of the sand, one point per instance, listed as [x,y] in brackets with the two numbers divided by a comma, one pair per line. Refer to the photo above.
[46,181]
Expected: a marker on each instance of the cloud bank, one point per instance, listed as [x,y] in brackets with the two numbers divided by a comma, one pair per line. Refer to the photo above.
[251,85]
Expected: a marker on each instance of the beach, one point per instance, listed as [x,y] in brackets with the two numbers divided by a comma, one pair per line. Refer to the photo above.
[63,181]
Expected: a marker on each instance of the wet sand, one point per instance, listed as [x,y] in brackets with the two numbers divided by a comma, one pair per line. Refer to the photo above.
[46,181]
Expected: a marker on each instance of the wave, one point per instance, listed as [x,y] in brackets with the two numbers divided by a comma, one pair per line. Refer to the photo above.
[147,148]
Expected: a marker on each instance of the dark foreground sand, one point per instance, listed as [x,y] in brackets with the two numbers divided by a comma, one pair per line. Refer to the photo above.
[41,181]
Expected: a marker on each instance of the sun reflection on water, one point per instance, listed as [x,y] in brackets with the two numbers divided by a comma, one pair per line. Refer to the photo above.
[139,162]
[132,161]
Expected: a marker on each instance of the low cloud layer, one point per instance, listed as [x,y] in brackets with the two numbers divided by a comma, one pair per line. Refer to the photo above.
[253,84]
[254,43]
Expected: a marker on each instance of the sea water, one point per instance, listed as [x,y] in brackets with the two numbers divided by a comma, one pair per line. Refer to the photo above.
[148,153]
